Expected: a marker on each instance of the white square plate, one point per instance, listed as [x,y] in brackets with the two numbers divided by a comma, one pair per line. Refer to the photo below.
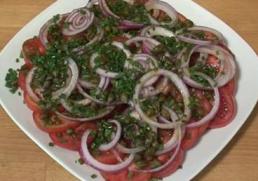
[198,157]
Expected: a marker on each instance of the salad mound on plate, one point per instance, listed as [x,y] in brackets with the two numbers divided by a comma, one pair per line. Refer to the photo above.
[131,85]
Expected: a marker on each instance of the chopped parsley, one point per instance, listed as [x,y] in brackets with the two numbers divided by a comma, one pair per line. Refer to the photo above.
[110,58]
[102,135]
[11,80]
[136,12]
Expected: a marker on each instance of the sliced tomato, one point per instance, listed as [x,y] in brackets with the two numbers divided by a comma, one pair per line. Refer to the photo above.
[171,168]
[32,105]
[55,125]
[140,176]
[71,141]
[226,110]
[190,139]
[165,135]
[181,17]
[192,135]
[22,80]
[107,157]
[32,47]
[117,176]
[124,175]
[230,87]
[206,107]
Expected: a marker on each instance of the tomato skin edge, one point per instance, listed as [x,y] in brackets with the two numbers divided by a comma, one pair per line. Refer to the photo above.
[56,128]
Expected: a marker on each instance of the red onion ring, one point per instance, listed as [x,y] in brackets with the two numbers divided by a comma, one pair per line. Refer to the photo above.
[104,82]
[108,146]
[171,159]
[67,90]
[172,142]
[78,21]
[105,9]
[98,165]
[147,43]
[129,25]
[118,157]
[28,81]
[91,3]
[227,69]
[99,35]
[86,84]
[86,95]
[83,119]
[68,108]
[165,7]
[124,24]
[151,31]
[219,36]
[147,61]
[214,109]
[123,149]
[180,86]
[43,33]
[103,72]
[136,39]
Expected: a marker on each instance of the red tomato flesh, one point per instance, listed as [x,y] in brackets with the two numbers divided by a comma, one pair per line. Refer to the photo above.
[71,141]
[57,125]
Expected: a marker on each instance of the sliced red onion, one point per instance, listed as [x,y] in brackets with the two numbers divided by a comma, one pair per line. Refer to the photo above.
[165,7]
[106,73]
[172,142]
[100,71]
[99,35]
[219,36]
[29,90]
[69,87]
[83,119]
[43,33]
[87,84]
[118,157]
[78,21]
[68,108]
[214,109]
[191,40]
[151,31]
[105,9]
[108,146]
[137,39]
[91,3]
[173,114]
[104,82]
[86,95]
[124,24]
[84,102]
[179,85]
[171,159]
[147,61]
[98,165]
[149,92]
[123,149]
[227,65]
[129,25]
[121,46]
[147,43]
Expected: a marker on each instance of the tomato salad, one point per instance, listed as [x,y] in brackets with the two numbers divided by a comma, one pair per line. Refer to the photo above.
[131,85]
